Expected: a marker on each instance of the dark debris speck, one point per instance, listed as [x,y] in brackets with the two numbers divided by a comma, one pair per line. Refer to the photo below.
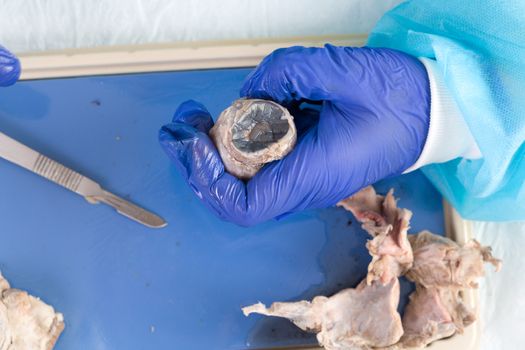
[96,103]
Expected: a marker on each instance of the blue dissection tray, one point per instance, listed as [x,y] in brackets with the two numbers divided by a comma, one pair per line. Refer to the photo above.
[123,286]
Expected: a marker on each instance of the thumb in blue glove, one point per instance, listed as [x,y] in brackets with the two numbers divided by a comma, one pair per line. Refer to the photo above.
[372,123]
[9,67]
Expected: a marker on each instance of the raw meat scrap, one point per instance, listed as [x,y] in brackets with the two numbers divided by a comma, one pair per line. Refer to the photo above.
[388,225]
[364,317]
[439,261]
[442,269]
[432,314]
[26,322]
[356,318]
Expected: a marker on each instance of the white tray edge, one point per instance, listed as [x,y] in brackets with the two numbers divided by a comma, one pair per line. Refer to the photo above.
[164,57]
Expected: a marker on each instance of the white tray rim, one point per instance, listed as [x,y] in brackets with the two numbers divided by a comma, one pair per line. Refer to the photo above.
[164,57]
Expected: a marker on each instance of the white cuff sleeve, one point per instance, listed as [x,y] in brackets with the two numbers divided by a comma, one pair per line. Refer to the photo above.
[448,135]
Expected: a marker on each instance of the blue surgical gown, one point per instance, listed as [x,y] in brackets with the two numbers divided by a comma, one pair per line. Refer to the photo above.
[480,48]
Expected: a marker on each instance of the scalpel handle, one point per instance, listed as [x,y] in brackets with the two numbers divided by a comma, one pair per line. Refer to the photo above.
[17,153]
[36,162]
[31,160]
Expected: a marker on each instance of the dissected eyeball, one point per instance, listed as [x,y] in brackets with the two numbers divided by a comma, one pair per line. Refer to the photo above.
[251,133]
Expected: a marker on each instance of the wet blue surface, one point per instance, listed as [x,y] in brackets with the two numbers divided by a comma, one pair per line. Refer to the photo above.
[123,286]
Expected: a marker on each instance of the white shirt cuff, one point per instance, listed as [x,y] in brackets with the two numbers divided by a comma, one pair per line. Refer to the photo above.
[448,135]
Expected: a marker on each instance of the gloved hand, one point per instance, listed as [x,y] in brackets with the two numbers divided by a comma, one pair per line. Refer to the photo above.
[373,122]
[9,67]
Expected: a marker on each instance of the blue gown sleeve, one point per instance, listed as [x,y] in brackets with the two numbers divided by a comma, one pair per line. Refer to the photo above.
[480,48]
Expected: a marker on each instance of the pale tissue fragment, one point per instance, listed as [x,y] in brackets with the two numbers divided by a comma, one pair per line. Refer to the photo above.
[251,133]
[355,318]
[366,317]
[442,270]
[439,261]
[388,225]
[26,322]
[432,314]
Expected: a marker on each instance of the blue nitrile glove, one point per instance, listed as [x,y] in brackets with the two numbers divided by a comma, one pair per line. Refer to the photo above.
[373,123]
[9,67]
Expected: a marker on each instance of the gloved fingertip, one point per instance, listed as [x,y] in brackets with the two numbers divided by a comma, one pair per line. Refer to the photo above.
[249,92]
[193,153]
[176,132]
[266,89]
[258,84]
[246,88]
[190,106]
[194,114]
[10,68]
[181,140]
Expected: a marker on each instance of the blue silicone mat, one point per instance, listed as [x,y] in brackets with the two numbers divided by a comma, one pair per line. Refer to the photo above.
[123,286]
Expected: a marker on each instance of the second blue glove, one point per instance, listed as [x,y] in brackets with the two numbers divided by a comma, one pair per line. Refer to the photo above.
[9,67]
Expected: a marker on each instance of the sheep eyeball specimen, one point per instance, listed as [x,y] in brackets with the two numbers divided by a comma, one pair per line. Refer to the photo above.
[251,133]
